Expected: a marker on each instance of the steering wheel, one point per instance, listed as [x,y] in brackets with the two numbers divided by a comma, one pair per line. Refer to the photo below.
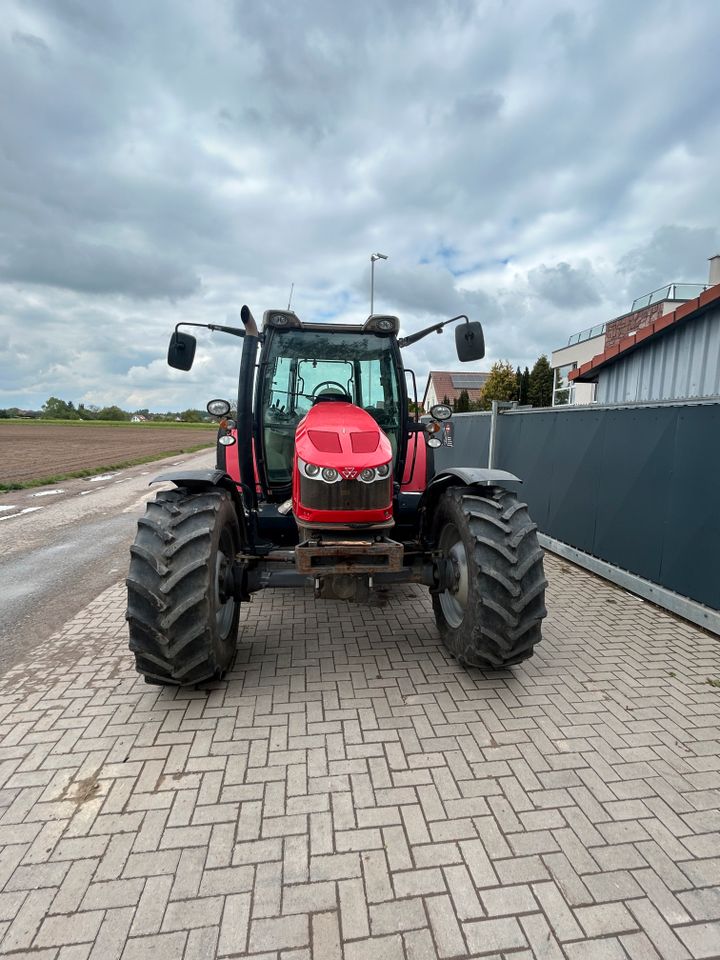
[330,383]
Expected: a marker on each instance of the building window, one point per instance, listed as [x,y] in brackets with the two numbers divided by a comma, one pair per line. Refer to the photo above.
[563,389]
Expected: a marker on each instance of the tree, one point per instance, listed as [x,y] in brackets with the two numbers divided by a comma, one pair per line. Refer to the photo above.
[540,387]
[112,413]
[500,384]
[518,383]
[191,416]
[56,409]
[462,405]
[524,388]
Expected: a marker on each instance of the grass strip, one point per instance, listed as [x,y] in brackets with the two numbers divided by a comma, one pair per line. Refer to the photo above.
[146,425]
[90,472]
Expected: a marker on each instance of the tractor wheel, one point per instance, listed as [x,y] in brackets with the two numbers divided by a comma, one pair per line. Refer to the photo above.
[182,615]
[491,616]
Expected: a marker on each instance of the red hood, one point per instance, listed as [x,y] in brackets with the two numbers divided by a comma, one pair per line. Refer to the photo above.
[340,435]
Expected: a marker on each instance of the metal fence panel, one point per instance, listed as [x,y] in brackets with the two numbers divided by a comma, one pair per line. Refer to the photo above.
[691,558]
[637,486]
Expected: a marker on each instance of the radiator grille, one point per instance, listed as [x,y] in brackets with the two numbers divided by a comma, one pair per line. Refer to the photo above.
[345,495]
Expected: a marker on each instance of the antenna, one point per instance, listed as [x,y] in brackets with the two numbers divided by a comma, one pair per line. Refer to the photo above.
[292,287]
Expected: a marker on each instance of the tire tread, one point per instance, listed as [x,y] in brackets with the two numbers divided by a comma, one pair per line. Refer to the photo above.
[506,601]
[169,589]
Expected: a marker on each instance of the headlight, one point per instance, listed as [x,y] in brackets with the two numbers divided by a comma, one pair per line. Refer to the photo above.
[367,475]
[308,469]
[218,408]
[383,470]
[330,474]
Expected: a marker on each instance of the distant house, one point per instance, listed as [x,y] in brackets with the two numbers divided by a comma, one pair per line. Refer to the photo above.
[449,384]
[138,418]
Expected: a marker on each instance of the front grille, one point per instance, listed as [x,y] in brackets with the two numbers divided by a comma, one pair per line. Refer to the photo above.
[345,495]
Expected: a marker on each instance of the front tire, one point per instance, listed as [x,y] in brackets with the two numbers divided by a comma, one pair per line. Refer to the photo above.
[491,615]
[182,615]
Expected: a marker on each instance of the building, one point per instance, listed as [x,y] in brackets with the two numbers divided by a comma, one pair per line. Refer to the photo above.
[582,347]
[442,384]
[668,349]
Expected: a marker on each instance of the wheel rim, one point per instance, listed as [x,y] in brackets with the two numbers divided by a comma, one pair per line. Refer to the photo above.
[454,601]
[224,601]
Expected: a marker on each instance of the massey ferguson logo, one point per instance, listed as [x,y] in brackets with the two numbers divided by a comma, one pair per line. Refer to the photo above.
[349,473]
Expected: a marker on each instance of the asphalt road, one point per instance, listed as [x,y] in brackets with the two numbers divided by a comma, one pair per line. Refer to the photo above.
[60,546]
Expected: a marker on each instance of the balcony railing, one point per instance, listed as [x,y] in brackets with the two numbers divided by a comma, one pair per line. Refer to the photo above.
[671,291]
[588,334]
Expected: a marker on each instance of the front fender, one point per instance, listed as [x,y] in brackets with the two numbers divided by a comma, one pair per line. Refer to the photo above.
[196,480]
[189,478]
[483,476]
[462,476]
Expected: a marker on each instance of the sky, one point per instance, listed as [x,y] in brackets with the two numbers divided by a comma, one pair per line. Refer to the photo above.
[536,165]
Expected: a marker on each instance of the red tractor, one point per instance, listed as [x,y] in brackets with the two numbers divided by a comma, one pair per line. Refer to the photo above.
[326,481]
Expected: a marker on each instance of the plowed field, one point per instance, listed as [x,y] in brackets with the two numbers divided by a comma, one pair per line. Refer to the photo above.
[36,451]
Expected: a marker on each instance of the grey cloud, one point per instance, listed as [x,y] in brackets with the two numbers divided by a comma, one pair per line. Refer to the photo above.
[31,42]
[564,286]
[478,106]
[96,269]
[674,254]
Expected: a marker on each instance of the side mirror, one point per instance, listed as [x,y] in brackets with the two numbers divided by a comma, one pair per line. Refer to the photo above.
[181,351]
[469,341]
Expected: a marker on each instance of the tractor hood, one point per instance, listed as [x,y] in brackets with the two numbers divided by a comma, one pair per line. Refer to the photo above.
[340,435]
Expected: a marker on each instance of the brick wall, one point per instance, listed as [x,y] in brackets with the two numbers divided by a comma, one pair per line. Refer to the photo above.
[618,329]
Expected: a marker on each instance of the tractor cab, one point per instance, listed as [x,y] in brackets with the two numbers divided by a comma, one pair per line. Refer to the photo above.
[305,366]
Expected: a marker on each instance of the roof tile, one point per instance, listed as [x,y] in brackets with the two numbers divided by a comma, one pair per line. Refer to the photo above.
[709,295]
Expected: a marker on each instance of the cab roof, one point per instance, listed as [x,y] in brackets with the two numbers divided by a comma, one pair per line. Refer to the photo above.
[288,320]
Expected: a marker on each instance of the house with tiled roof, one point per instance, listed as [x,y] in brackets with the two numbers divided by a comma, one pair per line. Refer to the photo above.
[654,355]
[449,384]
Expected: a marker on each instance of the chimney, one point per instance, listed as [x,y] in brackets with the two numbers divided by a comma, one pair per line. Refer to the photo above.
[714,270]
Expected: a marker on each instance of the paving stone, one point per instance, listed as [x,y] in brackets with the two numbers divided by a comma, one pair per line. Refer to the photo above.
[445,927]
[389,948]
[701,939]
[279,933]
[166,946]
[396,916]
[326,936]
[78,928]
[499,935]
[602,920]
[234,925]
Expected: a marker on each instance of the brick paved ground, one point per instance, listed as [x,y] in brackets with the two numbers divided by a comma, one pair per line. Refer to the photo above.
[351,792]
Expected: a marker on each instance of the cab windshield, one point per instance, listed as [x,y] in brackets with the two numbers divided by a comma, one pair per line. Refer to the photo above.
[301,365]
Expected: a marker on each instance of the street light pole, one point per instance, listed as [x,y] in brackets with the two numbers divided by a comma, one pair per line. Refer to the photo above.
[373,258]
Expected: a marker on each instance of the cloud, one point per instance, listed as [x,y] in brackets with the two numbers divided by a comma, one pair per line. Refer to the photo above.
[565,287]
[673,253]
[96,269]
[526,164]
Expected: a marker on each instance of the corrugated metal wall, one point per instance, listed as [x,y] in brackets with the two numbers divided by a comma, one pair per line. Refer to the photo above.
[682,363]
[638,486]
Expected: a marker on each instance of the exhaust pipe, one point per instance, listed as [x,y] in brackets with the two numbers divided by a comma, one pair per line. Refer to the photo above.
[244,410]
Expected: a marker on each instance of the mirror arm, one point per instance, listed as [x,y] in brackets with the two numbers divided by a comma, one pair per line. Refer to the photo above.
[435,328]
[211,326]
